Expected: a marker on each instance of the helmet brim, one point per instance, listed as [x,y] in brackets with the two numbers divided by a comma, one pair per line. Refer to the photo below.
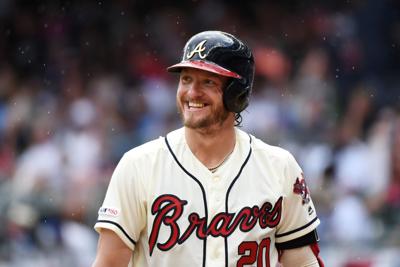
[204,65]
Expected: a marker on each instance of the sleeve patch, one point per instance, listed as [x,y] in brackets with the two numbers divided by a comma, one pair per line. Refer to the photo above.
[300,188]
[113,212]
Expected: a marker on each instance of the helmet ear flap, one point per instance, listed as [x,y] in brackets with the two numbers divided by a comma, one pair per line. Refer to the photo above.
[235,97]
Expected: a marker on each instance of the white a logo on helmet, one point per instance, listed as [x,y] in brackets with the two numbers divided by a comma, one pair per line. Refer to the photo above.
[198,49]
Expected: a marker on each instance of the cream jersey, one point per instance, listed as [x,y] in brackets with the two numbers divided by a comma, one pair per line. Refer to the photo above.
[172,211]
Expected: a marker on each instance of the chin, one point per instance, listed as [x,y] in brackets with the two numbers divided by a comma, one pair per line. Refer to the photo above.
[204,123]
[199,124]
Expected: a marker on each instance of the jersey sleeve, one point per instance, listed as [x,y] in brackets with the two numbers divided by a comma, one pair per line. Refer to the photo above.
[123,210]
[299,215]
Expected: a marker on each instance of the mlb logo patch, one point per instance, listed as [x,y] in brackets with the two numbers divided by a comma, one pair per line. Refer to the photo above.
[108,211]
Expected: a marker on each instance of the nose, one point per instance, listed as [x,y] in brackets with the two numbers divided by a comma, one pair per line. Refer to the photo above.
[194,89]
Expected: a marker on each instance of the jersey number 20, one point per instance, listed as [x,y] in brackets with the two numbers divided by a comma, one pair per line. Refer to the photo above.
[253,252]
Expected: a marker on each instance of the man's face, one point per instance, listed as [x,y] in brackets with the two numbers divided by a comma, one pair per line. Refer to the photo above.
[199,99]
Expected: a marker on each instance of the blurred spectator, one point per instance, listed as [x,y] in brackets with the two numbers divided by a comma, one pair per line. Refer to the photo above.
[83,81]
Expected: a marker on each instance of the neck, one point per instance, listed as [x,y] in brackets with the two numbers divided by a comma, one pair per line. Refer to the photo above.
[211,147]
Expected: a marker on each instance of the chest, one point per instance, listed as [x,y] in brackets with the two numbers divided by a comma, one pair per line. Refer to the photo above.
[188,207]
[199,218]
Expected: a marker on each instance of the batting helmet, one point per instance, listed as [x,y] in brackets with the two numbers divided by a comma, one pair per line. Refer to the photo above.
[223,54]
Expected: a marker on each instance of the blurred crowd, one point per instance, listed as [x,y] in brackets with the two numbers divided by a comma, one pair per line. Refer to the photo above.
[81,82]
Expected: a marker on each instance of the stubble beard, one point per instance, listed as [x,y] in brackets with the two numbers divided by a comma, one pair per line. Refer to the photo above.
[217,117]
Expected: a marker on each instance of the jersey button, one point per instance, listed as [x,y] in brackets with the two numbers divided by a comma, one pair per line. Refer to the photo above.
[216,178]
[216,253]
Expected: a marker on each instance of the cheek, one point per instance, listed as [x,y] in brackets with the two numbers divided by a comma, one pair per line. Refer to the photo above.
[181,89]
[179,94]
[180,97]
[218,96]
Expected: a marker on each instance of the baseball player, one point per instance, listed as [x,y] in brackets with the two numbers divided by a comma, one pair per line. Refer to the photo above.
[208,194]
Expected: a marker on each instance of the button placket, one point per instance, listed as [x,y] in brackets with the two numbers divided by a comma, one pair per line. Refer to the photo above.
[217,197]
[215,249]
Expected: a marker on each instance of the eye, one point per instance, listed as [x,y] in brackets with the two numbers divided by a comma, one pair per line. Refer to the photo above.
[209,82]
[185,79]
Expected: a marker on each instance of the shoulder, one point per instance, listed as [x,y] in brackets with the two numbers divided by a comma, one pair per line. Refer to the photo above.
[268,155]
[147,149]
[262,149]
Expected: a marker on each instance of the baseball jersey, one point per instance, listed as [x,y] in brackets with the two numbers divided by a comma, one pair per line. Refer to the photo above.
[172,211]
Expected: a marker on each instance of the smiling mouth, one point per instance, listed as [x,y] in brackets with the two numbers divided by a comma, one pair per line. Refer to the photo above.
[196,105]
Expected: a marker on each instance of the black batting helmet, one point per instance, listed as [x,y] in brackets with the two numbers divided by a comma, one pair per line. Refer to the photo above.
[223,54]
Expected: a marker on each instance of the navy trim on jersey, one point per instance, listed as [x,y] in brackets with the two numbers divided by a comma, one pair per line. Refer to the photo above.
[120,228]
[227,195]
[202,190]
[298,229]
[308,239]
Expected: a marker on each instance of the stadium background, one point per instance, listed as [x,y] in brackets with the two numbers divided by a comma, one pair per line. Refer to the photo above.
[81,82]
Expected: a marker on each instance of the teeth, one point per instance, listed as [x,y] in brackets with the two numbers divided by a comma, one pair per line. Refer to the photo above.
[195,105]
